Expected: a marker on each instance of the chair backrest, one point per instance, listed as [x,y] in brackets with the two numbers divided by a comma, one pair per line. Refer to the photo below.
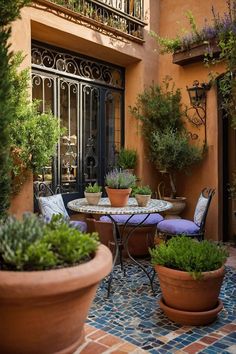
[43,189]
[202,207]
[52,205]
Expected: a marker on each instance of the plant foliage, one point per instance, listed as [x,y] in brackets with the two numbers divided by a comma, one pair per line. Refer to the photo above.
[33,135]
[95,188]
[159,108]
[9,11]
[31,244]
[186,254]
[143,190]
[127,159]
[120,179]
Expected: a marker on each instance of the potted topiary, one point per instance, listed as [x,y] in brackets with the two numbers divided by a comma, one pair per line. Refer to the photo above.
[142,195]
[159,108]
[127,159]
[48,279]
[190,274]
[93,193]
[119,186]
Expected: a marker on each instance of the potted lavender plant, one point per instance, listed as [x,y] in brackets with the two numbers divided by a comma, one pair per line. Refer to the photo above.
[119,186]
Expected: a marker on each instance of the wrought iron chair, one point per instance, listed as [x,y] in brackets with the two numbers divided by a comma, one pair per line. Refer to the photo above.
[49,204]
[196,228]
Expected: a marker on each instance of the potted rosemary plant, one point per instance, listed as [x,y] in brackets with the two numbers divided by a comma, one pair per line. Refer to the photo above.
[142,195]
[190,274]
[48,279]
[93,193]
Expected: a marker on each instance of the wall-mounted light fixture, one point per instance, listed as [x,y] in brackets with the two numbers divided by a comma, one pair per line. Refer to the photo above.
[196,114]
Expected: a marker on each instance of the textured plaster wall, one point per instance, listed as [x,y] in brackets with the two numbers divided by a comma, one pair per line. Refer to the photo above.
[207,173]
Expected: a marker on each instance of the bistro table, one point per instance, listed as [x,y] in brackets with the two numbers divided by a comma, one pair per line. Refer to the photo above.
[104,208]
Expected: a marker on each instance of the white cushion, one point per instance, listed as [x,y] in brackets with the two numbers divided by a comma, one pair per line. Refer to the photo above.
[52,205]
[200,210]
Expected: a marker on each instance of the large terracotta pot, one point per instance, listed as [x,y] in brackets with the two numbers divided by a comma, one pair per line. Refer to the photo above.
[182,292]
[44,312]
[118,197]
[178,205]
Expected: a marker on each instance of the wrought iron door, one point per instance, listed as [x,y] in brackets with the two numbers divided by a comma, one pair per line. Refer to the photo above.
[87,98]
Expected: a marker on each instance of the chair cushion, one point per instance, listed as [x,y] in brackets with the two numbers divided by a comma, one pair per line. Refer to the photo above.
[178,226]
[79,225]
[152,219]
[54,204]
[200,209]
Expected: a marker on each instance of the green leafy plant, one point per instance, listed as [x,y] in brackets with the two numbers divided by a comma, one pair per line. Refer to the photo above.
[186,254]
[159,108]
[33,135]
[127,159]
[31,244]
[95,188]
[9,11]
[143,190]
[120,179]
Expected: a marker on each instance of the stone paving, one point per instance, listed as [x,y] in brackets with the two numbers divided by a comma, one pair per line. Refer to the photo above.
[130,321]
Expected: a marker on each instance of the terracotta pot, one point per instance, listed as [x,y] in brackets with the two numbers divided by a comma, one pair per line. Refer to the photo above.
[93,198]
[118,197]
[44,311]
[191,318]
[142,199]
[179,203]
[180,291]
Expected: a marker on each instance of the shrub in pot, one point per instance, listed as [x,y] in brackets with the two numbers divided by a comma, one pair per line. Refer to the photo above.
[119,185]
[190,274]
[48,279]
[93,193]
[170,150]
[127,159]
[142,195]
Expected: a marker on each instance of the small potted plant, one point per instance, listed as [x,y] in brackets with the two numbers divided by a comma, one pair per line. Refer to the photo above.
[142,195]
[48,279]
[127,159]
[190,274]
[119,186]
[93,193]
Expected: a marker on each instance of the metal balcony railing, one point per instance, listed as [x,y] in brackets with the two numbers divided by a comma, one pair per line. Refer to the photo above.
[124,16]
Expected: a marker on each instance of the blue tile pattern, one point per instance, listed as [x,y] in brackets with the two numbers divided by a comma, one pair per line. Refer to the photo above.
[133,314]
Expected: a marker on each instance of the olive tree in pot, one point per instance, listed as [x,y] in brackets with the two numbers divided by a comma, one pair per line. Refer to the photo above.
[190,274]
[49,274]
[159,108]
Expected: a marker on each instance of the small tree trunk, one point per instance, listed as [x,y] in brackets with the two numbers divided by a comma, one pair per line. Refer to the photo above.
[172,184]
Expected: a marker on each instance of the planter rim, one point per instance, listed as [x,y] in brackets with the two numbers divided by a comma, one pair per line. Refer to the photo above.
[183,275]
[56,281]
[119,189]
[175,199]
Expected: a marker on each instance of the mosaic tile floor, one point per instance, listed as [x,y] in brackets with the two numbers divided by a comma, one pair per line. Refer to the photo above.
[132,313]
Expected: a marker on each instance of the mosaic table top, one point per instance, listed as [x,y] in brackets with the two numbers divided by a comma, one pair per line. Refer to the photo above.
[104,207]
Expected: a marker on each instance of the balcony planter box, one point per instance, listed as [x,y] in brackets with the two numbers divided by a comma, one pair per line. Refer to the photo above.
[195,53]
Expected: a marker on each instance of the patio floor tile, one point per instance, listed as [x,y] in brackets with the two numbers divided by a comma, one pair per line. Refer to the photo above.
[131,321]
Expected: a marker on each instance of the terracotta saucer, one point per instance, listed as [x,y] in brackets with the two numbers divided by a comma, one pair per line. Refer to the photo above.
[191,318]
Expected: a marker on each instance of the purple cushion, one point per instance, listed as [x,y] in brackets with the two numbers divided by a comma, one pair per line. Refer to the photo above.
[152,219]
[80,225]
[178,226]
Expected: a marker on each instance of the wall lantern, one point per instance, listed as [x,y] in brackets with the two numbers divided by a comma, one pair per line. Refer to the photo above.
[196,113]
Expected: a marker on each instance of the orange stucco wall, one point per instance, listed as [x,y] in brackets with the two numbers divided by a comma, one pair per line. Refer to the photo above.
[207,172]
